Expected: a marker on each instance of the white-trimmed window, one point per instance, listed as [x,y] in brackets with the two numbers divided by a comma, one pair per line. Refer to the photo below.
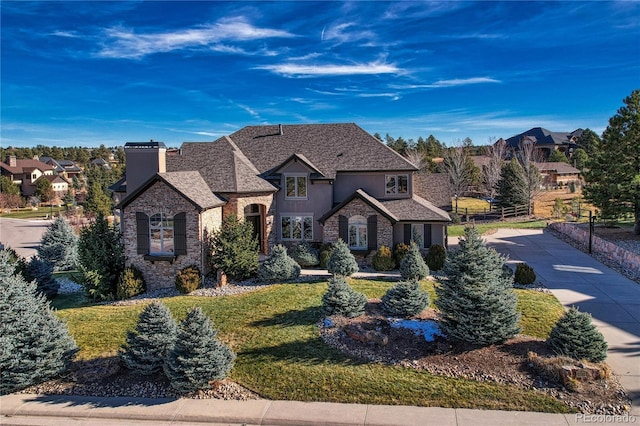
[161,234]
[295,186]
[296,227]
[396,184]
[358,232]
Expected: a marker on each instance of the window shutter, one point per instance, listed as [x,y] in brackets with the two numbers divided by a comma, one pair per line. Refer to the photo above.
[180,233]
[343,228]
[142,231]
[407,233]
[427,235]
[372,232]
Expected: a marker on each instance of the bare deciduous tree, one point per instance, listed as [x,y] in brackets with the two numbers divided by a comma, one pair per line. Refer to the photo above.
[528,156]
[497,152]
[416,158]
[456,166]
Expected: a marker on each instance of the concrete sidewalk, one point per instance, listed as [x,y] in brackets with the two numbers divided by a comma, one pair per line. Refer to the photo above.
[65,410]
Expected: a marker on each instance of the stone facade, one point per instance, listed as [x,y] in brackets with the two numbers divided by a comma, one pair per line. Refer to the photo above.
[236,204]
[160,198]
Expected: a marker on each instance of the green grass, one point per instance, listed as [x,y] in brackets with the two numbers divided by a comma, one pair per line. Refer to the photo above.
[473,204]
[281,355]
[458,230]
[40,213]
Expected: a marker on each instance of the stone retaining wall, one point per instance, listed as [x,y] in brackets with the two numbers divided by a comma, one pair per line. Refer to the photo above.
[626,259]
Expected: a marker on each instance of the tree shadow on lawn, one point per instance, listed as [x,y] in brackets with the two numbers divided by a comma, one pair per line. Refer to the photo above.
[307,316]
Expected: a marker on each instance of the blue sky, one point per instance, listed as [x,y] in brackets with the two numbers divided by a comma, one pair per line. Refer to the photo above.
[91,73]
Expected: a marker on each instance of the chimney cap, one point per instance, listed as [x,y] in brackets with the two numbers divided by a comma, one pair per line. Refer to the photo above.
[151,144]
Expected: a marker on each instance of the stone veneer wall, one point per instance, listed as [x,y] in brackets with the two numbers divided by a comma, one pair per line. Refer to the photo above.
[237,202]
[331,231]
[618,255]
[159,198]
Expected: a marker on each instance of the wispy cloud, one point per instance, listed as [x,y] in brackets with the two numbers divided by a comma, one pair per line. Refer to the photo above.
[125,43]
[347,32]
[393,96]
[447,83]
[301,70]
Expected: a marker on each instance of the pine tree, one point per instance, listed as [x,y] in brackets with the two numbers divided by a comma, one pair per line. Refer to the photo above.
[234,249]
[97,202]
[412,266]
[342,261]
[575,336]
[197,356]
[405,299]
[147,346]
[35,344]
[341,299]
[512,186]
[278,266]
[59,245]
[477,303]
[41,272]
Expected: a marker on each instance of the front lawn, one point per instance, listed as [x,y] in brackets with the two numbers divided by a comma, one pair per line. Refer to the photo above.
[281,355]
[458,230]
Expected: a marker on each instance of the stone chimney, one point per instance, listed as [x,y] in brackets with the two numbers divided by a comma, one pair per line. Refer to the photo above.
[11,161]
[144,160]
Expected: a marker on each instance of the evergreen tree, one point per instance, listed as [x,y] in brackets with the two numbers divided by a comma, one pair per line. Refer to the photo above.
[42,273]
[305,255]
[147,346]
[575,336]
[589,141]
[405,299]
[35,344]
[97,202]
[59,245]
[234,249]
[44,189]
[197,356]
[579,159]
[412,266]
[512,186]
[558,157]
[278,266]
[8,187]
[477,303]
[342,261]
[341,299]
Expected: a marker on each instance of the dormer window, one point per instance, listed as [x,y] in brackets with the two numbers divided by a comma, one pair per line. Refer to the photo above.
[295,186]
[396,184]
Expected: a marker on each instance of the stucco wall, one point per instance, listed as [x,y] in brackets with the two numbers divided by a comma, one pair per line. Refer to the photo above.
[373,183]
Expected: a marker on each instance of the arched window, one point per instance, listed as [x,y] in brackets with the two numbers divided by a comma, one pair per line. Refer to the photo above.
[161,234]
[358,232]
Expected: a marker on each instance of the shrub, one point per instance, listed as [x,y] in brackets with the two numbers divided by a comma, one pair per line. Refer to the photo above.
[131,283]
[477,303]
[575,336]
[59,245]
[507,273]
[412,266]
[234,249]
[524,274]
[341,299]
[197,357]
[399,252]
[35,344]
[188,279]
[305,255]
[383,260]
[41,272]
[278,266]
[435,257]
[325,254]
[342,261]
[405,299]
[147,346]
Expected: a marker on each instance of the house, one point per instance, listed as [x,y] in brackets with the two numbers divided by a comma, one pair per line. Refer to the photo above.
[546,141]
[59,185]
[314,182]
[25,172]
[558,173]
[101,162]
[67,168]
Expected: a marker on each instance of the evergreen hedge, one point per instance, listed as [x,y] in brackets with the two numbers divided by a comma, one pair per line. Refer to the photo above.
[131,283]
[383,260]
[188,279]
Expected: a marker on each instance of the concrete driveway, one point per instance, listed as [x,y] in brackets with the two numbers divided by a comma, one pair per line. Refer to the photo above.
[577,279]
[22,235]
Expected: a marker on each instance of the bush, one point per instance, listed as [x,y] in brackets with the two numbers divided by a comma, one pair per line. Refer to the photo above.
[147,346]
[399,252]
[507,273]
[59,245]
[305,255]
[575,336]
[325,254]
[383,260]
[412,266]
[35,344]
[435,257]
[197,357]
[476,301]
[278,266]
[188,279]
[524,274]
[342,261]
[341,299]
[42,273]
[234,249]
[131,283]
[405,299]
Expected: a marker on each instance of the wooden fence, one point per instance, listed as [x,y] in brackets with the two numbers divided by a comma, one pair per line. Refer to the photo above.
[494,212]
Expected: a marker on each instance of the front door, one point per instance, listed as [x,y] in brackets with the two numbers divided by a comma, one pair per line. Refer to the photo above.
[252,214]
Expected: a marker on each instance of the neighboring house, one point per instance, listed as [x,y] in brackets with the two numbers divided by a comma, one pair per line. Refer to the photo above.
[59,185]
[546,141]
[316,183]
[25,173]
[558,173]
[101,162]
[67,168]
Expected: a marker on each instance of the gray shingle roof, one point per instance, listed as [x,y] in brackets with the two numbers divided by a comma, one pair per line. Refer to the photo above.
[557,167]
[543,136]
